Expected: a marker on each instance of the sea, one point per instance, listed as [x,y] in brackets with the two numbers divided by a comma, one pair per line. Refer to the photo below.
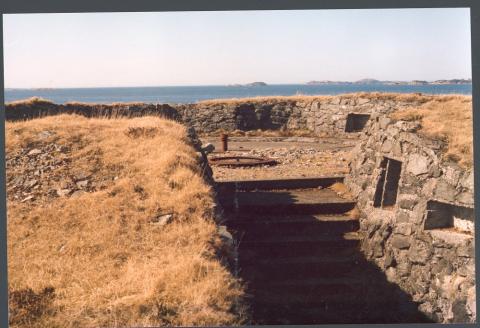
[192,94]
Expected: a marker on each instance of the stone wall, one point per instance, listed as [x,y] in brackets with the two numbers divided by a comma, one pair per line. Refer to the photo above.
[416,217]
[323,115]
[328,114]
[35,109]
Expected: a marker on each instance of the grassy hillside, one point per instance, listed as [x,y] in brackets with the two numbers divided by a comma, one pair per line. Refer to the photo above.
[110,224]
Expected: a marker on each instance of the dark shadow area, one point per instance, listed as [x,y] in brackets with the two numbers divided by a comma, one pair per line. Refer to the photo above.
[387,185]
[356,122]
[38,109]
[306,267]
[441,215]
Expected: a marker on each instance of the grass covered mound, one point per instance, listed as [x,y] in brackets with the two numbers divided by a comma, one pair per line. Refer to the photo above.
[110,224]
[446,118]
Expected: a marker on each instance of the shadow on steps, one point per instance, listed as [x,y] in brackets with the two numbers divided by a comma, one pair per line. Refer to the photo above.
[303,268]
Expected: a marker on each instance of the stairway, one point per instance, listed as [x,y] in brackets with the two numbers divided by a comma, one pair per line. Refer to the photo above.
[299,256]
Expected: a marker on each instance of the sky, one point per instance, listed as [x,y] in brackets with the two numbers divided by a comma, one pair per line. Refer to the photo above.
[227,47]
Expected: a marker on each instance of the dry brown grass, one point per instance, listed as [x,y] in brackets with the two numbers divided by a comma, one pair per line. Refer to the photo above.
[30,101]
[97,259]
[403,97]
[449,120]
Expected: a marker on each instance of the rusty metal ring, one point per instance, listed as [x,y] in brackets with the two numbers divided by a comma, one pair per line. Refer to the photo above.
[241,161]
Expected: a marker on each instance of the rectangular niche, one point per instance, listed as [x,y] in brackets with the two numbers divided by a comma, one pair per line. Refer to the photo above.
[443,215]
[387,185]
[356,122]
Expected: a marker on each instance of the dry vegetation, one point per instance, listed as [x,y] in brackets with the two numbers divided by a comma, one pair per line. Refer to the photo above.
[448,119]
[104,258]
[402,97]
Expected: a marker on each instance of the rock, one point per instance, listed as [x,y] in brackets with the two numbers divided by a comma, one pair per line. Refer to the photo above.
[225,235]
[445,191]
[82,176]
[417,164]
[466,198]
[384,122]
[378,250]
[34,152]
[389,260]
[208,148]
[26,199]
[30,183]
[82,184]
[420,252]
[460,314]
[162,220]
[400,242]
[78,193]
[362,101]
[403,229]
[465,251]
[407,203]
[467,181]
[387,146]
[63,192]
[403,268]
[45,134]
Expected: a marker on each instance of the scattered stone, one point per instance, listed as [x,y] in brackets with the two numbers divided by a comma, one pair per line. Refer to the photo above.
[26,199]
[34,152]
[30,183]
[162,220]
[63,192]
[78,193]
[82,184]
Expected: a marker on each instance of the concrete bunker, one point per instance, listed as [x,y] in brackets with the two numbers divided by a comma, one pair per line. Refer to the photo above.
[356,122]
[387,185]
[441,215]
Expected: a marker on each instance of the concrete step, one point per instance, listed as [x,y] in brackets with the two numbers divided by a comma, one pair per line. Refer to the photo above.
[296,268]
[349,239]
[321,286]
[226,186]
[308,201]
[287,251]
[293,225]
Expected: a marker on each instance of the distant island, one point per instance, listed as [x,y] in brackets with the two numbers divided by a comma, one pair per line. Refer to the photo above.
[373,81]
[253,84]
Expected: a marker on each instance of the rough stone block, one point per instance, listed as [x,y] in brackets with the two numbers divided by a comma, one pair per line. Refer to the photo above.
[403,229]
[420,252]
[407,203]
[418,164]
[400,242]
[445,191]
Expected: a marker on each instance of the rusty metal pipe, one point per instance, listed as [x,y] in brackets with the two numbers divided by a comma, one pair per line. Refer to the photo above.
[224,138]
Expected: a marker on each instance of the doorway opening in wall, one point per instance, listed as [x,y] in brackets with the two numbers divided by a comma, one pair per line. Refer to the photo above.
[387,185]
[356,122]
[448,216]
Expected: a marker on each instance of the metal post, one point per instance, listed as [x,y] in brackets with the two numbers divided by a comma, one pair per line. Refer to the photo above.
[224,139]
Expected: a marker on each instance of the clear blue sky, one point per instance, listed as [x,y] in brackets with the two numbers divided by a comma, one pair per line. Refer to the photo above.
[214,48]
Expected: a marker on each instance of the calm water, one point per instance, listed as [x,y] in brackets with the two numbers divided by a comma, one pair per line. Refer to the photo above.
[196,93]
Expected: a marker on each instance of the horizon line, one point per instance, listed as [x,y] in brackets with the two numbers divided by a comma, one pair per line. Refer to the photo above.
[224,85]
